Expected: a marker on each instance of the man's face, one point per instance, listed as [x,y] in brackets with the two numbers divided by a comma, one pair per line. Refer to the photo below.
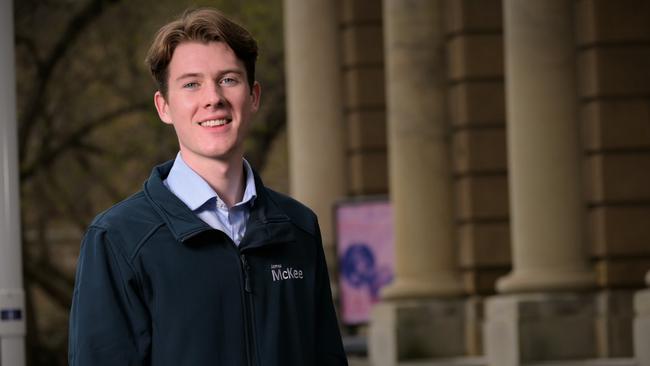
[208,101]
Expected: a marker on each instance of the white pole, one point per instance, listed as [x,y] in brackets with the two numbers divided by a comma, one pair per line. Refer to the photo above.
[12,297]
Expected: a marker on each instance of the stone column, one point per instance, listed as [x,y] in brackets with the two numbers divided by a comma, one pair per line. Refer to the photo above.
[544,153]
[315,115]
[419,316]
[419,151]
[539,319]
[12,302]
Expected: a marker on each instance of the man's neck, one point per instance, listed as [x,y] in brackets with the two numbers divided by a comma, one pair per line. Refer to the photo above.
[226,177]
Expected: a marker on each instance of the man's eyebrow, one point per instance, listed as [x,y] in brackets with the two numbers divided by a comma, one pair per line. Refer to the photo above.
[189,75]
[232,71]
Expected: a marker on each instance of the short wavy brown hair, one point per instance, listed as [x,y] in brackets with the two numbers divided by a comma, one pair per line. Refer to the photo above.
[202,25]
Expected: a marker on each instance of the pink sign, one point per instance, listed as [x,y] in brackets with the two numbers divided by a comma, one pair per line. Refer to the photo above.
[365,252]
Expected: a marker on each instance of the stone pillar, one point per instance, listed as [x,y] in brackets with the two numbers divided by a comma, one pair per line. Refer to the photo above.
[315,115]
[12,302]
[642,325]
[544,155]
[417,318]
[536,321]
[419,152]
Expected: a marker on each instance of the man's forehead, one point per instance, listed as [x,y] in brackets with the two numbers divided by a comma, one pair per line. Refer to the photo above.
[193,45]
[189,54]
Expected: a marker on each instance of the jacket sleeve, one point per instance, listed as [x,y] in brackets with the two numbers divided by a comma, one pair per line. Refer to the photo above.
[329,347]
[109,321]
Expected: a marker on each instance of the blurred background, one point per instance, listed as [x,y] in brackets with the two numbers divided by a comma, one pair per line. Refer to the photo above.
[502,148]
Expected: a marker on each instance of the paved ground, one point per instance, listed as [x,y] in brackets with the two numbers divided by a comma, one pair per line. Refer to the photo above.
[601,362]
[358,361]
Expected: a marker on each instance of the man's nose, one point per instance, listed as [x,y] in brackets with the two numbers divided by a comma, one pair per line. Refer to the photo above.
[213,96]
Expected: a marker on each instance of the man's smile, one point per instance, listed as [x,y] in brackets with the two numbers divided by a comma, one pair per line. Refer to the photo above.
[215,122]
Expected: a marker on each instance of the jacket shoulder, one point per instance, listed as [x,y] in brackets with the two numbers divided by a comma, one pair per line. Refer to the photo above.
[301,215]
[128,223]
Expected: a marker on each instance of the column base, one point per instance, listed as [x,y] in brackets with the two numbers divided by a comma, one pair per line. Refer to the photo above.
[642,327]
[546,281]
[614,318]
[539,327]
[439,285]
[410,330]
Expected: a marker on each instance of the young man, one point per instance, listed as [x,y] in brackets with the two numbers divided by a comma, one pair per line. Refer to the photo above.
[205,265]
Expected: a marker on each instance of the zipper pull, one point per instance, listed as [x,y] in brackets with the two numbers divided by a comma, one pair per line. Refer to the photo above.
[246,267]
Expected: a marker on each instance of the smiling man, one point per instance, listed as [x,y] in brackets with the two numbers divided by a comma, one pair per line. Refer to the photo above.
[205,265]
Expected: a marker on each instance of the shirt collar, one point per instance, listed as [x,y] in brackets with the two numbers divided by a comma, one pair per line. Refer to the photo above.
[194,191]
[250,193]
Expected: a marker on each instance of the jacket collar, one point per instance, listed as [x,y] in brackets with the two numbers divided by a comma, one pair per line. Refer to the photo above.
[267,222]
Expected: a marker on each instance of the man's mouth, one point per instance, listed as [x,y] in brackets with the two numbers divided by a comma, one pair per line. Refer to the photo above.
[215,122]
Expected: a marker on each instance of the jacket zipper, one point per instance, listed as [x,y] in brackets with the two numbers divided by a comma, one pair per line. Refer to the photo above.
[249,312]
[247,301]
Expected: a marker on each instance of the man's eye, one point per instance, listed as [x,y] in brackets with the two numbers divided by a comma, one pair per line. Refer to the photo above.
[228,81]
[190,85]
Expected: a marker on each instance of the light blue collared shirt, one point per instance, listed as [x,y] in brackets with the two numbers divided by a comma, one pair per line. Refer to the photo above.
[197,194]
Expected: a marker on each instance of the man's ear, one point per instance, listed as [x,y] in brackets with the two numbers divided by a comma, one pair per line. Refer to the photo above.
[162,107]
[256,92]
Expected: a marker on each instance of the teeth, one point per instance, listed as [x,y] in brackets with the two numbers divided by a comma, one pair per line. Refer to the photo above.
[213,122]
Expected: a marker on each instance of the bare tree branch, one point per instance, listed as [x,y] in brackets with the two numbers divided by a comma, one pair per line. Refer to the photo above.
[56,283]
[74,29]
[74,139]
[274,120]
[31,48]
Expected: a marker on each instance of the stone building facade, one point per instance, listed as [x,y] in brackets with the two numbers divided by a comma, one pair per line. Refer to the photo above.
[513,139]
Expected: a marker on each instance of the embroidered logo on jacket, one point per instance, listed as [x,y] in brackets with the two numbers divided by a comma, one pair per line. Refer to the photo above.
[289,273]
